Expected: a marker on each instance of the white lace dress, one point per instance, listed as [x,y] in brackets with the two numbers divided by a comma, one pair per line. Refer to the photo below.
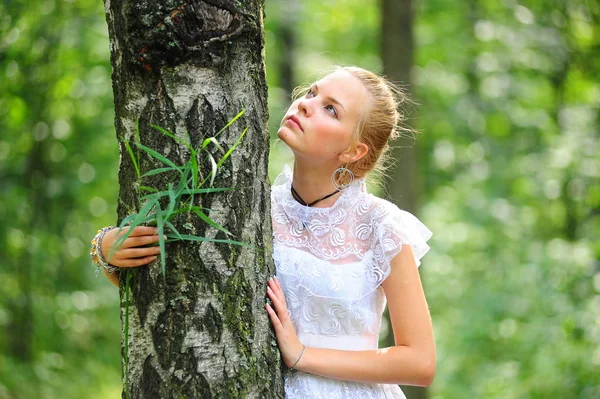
[331,263]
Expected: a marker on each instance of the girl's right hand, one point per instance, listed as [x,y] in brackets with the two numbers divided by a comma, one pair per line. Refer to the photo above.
[131,253]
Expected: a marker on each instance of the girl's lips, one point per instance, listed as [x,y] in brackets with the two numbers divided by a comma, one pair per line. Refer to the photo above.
[294,121]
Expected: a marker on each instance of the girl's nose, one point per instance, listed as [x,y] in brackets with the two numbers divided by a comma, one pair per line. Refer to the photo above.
[303,106]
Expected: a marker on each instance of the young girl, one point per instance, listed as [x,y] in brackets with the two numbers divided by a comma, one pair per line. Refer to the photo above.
[340,253]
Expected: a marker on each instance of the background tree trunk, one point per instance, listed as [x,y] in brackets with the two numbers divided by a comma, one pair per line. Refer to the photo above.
[397,47]
[190,67]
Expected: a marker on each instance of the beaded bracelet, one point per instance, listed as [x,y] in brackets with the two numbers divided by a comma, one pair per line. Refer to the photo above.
[299,356]
[96,252]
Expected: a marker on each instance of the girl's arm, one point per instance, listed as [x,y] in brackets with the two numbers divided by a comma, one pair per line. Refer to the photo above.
[410,362]
[113,278]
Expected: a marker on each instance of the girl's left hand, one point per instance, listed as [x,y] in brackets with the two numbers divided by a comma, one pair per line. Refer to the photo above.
[287,340]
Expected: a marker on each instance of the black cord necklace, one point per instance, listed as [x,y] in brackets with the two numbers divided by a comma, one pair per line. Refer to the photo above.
[300,200]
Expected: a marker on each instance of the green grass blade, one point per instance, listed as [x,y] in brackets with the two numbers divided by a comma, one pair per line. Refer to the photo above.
[157,155]
[194,166]
[173,200]
[198,211]
[171,135]
[235,118]
[160,170]
[170,225]
[228,153]
[213,140]
[133,159]
[146,188]
[161,240]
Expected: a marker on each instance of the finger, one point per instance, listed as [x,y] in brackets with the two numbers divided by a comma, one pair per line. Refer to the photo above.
[139,252]
[137,231]
[277,283]
[274,319]
[275,299]
[135,262]
[138,241]
[144,231]
[279,304]
[277,290]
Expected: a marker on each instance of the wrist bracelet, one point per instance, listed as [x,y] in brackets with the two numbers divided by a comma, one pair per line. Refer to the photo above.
[96,251]
[299,356]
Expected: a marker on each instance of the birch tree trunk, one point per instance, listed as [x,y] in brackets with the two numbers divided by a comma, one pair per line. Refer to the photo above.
[190,66]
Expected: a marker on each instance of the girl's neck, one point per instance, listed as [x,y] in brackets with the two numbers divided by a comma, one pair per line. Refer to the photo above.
[312,182]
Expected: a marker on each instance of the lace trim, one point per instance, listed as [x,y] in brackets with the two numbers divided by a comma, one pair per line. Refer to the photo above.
[356,223]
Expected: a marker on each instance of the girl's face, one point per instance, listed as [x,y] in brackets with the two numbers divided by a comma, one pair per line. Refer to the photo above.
[319,126]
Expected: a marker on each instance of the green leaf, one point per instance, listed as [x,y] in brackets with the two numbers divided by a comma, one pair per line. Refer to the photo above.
[160,170]
[146,188]
[156,155]
[198,211]
[173,200]
[133,159]
[161,240]
[228,153]
[170,225]
[171,135]
[235,118]
[213,140]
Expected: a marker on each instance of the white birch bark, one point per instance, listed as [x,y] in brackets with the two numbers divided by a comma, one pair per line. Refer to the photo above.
[190,67]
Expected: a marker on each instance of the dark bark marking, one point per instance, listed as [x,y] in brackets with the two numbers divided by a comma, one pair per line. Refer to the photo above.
[145,292]
[211,322]
[195,386]
[168,334]
[150,382]
[198,126]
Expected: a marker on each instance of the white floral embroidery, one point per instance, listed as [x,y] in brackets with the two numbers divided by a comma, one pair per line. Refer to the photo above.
[331,263]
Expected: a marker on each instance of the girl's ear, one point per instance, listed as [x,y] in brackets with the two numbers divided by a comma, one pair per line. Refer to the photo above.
[354,153]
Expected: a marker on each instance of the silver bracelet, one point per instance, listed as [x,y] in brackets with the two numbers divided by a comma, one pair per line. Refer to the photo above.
[299,356]
[96,252]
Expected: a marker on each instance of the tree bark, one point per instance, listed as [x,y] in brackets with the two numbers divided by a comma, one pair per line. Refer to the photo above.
[397,48]
[189,67]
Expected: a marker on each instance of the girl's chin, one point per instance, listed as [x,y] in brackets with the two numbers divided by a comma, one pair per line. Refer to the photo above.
[284,133]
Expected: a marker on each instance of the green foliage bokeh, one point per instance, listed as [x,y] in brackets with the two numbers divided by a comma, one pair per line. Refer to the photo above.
[509,170]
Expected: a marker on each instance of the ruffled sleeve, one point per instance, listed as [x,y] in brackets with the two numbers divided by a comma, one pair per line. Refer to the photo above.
[397,227]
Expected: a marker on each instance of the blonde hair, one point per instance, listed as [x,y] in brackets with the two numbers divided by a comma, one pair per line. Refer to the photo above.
[380,121]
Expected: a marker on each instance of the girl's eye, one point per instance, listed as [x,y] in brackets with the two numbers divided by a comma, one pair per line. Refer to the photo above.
[331,110]
[310,93]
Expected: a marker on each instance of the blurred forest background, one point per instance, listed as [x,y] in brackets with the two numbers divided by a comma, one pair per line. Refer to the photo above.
[508,179]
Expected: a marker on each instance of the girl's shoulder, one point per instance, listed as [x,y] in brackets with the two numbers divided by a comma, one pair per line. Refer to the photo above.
[381,209]
[394,227]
